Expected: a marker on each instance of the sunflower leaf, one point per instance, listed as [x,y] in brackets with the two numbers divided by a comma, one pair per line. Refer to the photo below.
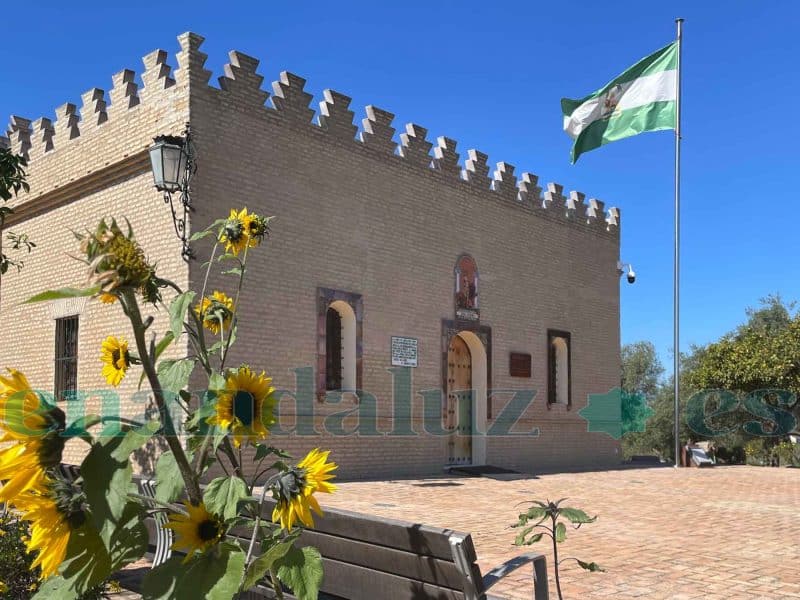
[174,374]
[86,564]
[177,312]
[520,539]
[60,293]
[536,537]
[107,471]
[561,532]
[214,574]
[114,534]
[223,494]
[169,482]
[168,338]
[591,566]
[262,451]
[260,566]
[200,235]
[216,382]
[575,515]
[301,570]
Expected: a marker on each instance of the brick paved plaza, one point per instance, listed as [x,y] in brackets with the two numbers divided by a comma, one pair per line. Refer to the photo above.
[722,533]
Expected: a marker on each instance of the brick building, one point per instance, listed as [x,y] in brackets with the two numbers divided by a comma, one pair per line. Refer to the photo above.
[383,254]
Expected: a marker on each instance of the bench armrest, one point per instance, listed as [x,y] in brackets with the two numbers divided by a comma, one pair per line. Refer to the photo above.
[164,536]
[540,590]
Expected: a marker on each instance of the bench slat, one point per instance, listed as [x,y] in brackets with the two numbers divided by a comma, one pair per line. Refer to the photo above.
[389,560]
[401,535]
[377,558]
[360,583]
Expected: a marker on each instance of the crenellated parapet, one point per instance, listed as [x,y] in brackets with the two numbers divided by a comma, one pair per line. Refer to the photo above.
[335,115]
[242,80]
[159,101]
[378,133]
[19,136]
[110,131]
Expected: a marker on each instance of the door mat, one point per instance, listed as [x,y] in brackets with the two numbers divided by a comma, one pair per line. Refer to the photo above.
[480,470]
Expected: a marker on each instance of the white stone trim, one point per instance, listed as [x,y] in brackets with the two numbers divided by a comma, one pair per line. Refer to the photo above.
[67,307]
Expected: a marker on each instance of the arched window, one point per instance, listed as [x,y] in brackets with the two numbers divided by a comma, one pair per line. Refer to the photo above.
[340,347]
[559,385]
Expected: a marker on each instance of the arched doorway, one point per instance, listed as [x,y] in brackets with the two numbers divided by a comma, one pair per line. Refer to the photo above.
[465,411]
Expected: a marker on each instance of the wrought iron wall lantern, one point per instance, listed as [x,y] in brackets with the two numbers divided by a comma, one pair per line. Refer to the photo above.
[172,159]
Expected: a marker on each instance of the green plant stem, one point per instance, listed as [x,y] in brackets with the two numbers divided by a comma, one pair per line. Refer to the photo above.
[132,310]
[276,584]
[256,527]
[221,464]
[203,454]
[208,270]
[228,450]
[201,351]
[235,317]
[555,558]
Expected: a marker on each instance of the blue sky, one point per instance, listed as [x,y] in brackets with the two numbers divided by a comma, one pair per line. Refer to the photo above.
[491,75]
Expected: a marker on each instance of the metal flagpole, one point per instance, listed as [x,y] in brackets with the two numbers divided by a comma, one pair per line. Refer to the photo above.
[677,266]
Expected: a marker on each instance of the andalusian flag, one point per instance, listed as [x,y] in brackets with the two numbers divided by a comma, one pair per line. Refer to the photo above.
[641,99]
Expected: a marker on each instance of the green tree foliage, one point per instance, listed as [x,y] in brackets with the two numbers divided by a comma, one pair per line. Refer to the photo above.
[641,369]
[772,316]
[762,353]
[12,180]
[658,436]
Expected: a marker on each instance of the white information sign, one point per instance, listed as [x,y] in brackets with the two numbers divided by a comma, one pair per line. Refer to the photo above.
[404,352]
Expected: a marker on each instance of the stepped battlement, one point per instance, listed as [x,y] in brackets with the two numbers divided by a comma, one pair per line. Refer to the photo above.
[119,125]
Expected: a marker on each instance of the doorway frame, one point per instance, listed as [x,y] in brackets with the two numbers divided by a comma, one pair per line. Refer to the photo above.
[479,341]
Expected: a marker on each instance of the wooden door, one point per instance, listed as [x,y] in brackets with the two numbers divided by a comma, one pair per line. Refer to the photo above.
[459,402]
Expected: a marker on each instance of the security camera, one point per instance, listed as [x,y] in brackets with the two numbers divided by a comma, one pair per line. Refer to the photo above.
[621,269]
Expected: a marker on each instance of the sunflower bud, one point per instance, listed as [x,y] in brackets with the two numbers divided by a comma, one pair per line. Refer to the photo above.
[116,260]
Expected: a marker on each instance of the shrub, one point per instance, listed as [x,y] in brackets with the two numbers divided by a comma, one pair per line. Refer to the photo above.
[755,451]
[15,561]
[20,579]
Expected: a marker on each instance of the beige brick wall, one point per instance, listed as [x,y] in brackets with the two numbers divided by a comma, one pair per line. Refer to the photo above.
[361,219]
[81,171]
[350,216]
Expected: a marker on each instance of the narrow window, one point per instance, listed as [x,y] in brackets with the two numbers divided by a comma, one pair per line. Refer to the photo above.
[66,357]
[333,350]
[559,385]
[340,347]
[339,326]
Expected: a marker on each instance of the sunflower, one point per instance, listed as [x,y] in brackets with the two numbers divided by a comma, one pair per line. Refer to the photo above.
[256,227]
[199,530]
[50,530]
[116,359]
[213,309]
[106,298]
[35,428]
[236,231]
[114,258]
[295,490]
[245,406]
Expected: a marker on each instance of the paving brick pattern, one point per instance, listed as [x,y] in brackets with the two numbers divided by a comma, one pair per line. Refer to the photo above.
[724,533]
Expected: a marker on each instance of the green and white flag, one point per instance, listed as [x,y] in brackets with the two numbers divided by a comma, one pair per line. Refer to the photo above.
[641,99]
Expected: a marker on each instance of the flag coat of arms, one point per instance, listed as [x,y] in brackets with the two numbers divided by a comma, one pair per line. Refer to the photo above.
[643,98]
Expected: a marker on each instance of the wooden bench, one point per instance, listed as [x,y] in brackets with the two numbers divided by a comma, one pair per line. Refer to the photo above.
[371,558]
[367,558]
